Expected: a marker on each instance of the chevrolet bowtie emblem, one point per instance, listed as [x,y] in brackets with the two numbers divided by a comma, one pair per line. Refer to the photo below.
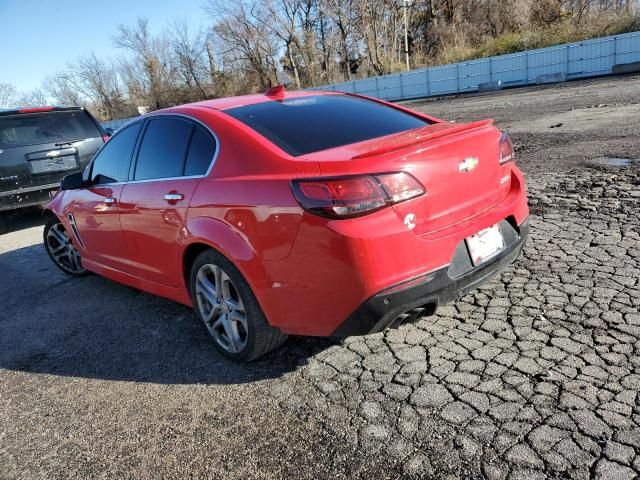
[468,164]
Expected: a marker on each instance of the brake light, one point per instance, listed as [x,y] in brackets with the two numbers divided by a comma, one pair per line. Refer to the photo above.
[35,109]
[506,149]
[349,197]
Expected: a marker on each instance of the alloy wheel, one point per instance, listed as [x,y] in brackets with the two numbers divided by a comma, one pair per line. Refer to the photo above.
[221,308]
[62,250]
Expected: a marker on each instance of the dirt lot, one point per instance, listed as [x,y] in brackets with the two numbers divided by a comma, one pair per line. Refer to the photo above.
[535,375]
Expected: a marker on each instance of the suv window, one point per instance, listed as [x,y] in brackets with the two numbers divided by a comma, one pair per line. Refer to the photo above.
[310,124]
[201,150]
[46,127]
[113,161]
[163,149]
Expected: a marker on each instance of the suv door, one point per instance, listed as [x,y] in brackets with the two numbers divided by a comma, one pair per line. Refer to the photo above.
[96,209]
[174,154]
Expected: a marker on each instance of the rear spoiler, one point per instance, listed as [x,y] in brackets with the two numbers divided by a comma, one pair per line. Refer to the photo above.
[424,134]
[18,111]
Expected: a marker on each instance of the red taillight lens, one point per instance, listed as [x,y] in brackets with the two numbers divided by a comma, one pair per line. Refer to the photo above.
[350,197]
[506,149]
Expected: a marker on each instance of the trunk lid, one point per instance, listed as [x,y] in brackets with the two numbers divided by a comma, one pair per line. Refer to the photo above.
[458,165]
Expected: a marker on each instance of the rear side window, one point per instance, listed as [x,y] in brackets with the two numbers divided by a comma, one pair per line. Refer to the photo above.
[200,154]
[47,127]
[163,149]
[113,161]
[310,124]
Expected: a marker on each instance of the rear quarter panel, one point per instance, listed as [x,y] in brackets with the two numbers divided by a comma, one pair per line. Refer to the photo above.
[260,216]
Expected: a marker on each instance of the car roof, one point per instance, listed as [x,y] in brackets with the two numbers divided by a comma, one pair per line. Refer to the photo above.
[243,100]
[42,109]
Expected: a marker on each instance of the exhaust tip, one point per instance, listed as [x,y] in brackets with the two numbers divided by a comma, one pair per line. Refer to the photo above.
[414,315]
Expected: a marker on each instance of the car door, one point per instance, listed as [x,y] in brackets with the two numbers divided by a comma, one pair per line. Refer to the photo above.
[174,154]
[96,208]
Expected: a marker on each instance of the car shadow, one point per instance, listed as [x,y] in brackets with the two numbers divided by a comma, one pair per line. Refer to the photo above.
[90,327]
[23,218]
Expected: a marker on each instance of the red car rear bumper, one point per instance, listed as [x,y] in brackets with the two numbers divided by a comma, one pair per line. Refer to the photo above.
[338,270]
[442,286]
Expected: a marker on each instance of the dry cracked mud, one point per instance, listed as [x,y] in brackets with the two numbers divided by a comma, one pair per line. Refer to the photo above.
[534,375]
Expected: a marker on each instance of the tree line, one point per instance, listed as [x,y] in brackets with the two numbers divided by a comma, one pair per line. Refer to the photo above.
[250,45]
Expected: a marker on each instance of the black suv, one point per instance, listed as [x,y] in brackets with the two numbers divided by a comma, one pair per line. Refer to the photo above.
[38,146]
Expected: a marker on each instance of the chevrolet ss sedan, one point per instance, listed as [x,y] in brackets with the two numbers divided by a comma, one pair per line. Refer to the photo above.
[304,213]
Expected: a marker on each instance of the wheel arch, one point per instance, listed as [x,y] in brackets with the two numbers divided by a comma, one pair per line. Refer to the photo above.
[189,256]
[220,236]
[253,272]
[208,233]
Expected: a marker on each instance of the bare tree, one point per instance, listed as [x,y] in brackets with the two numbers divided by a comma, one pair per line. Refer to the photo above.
[97,80]
[61,89]
[192,54]
[342,15]
[153,55]
[12,98]
[249,46]
[8,95]
[248,43]
[33,98]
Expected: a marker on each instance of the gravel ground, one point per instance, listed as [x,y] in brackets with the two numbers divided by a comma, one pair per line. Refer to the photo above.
[534,375]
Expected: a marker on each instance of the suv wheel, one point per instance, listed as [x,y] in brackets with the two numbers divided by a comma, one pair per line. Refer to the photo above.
[225,303]
[61,250]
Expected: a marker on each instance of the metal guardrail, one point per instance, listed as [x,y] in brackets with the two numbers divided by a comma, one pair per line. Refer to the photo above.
[589,58]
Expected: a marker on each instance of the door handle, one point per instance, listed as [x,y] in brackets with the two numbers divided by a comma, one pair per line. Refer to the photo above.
[109,200]
[173,197]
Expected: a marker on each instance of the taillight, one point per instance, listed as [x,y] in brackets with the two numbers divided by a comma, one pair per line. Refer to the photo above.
[400,186]
[349,197]
[506,149]
[105,138]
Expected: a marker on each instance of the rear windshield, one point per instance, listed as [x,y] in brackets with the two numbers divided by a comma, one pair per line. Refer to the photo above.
[48,127]
[310,124]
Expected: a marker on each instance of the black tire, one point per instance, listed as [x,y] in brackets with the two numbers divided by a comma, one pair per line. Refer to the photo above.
[3,224]
[55,222]
[261,338]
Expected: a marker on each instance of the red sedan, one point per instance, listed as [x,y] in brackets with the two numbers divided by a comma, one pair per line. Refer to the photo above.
[302,213]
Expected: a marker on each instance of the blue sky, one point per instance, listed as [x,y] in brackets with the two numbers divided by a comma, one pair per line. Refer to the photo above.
[39,37]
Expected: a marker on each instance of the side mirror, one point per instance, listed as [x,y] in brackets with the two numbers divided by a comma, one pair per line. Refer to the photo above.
[108,131]
[72,182]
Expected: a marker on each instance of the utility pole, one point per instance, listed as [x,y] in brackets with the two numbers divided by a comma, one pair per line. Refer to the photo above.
[405,4]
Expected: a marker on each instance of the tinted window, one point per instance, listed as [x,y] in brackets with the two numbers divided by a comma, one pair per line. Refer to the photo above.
[163,149]
[200,153]
[310,124]
[48,127]
[112,163]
